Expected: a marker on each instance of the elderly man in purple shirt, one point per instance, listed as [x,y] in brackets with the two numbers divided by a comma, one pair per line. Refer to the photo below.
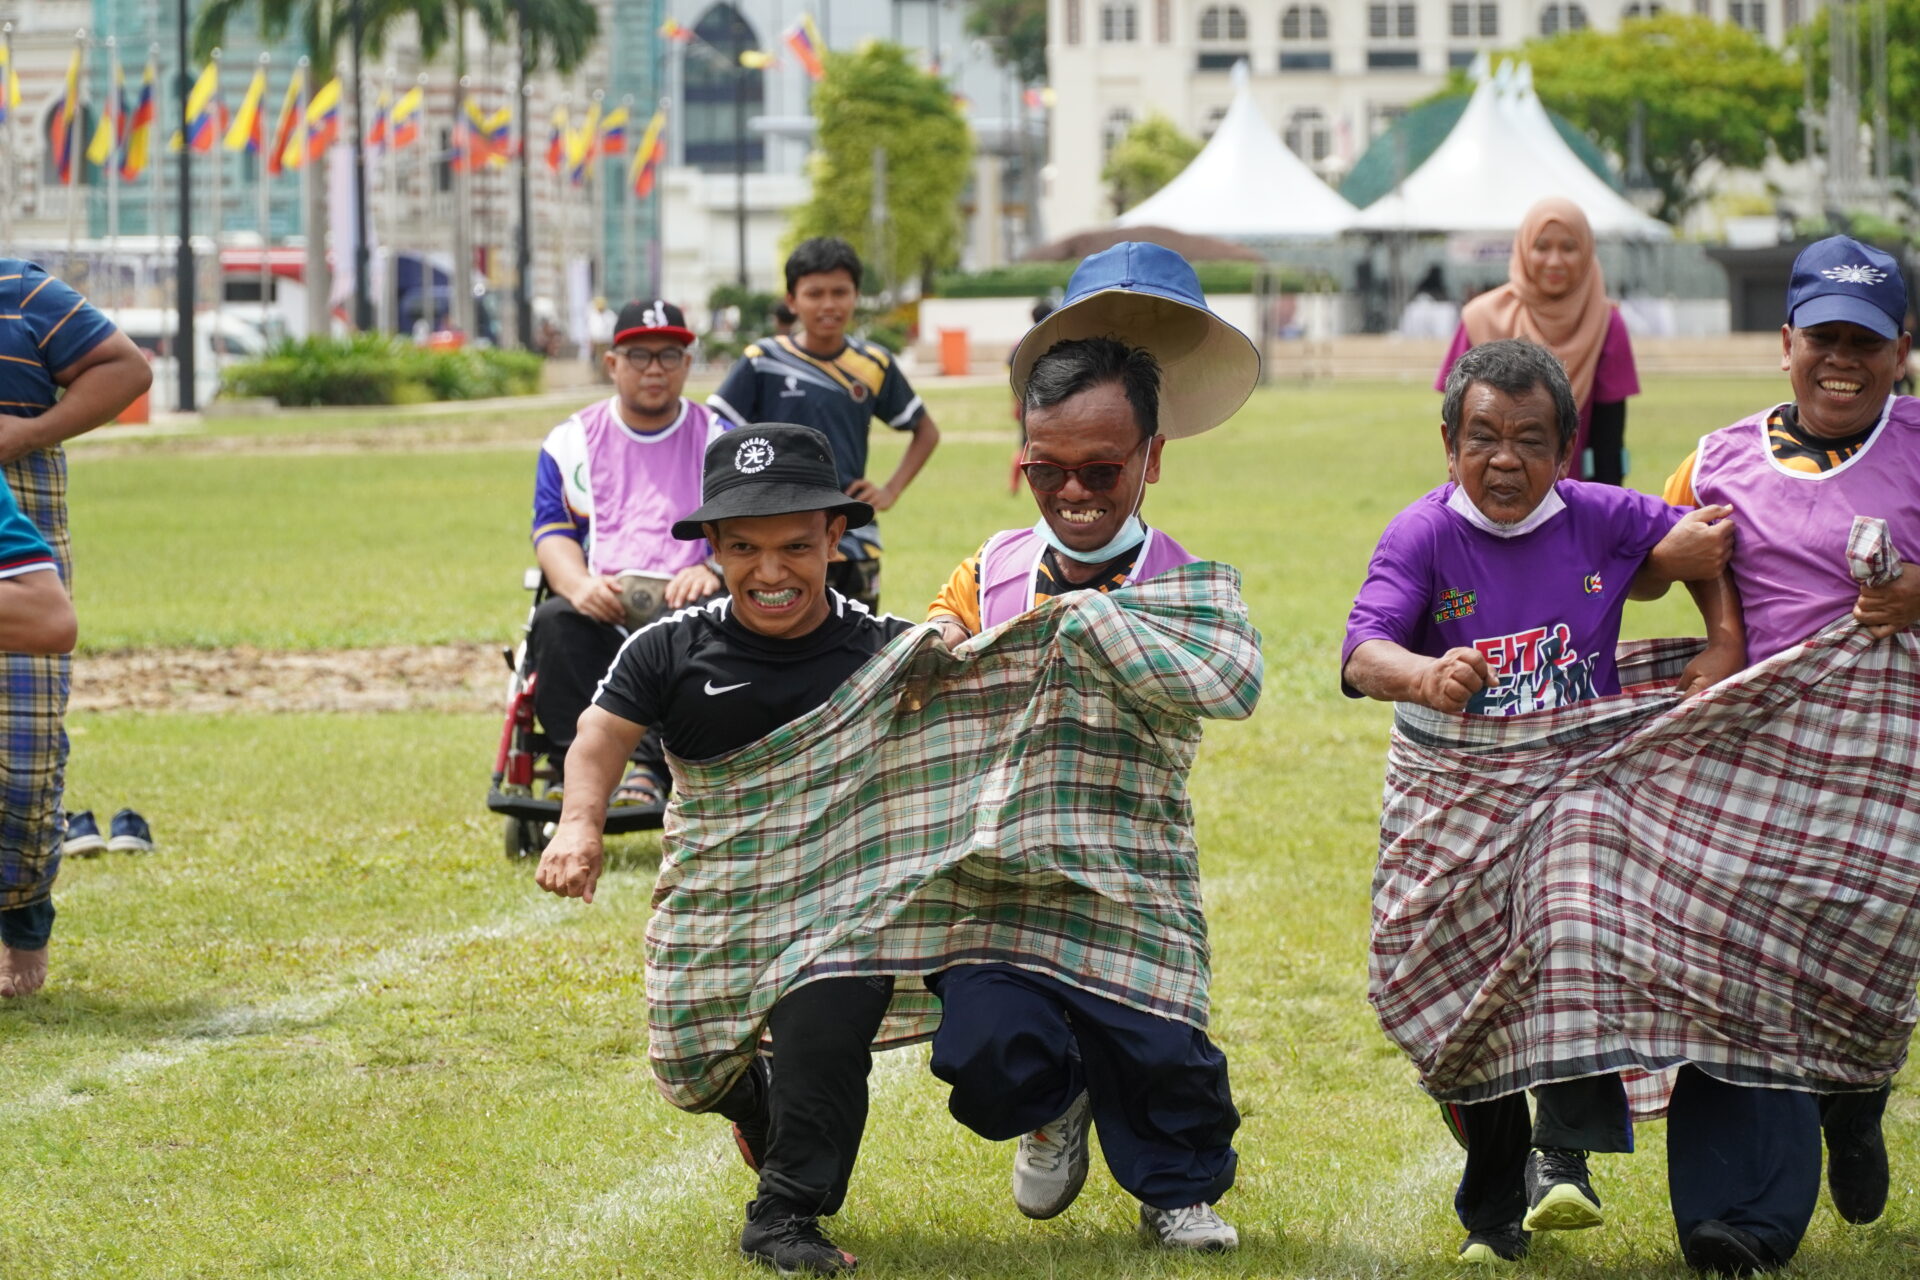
[1501,593]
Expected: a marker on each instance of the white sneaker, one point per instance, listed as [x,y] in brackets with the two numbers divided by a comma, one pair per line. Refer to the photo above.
[1196,1227]
[1050,1166]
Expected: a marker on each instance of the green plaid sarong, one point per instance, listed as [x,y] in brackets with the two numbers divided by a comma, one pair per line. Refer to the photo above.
[1023,801]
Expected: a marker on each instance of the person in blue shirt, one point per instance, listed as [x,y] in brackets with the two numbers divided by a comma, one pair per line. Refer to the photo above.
[64,369]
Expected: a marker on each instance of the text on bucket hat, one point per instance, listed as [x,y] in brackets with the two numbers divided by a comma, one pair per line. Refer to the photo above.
[769,469]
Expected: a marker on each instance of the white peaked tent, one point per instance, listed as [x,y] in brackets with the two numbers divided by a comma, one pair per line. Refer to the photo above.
[1245,183]
[1502,156]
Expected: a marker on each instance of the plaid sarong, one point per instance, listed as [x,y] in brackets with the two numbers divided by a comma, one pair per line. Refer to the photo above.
[1024,801]
[1637,882]
[33,704]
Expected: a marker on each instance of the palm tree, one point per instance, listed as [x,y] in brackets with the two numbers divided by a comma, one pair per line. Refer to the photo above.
[558,33]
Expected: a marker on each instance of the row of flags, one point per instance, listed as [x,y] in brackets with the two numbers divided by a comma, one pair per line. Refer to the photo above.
[482,139]
[802,39]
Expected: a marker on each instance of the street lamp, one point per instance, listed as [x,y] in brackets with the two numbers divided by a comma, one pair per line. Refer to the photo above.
[183,262]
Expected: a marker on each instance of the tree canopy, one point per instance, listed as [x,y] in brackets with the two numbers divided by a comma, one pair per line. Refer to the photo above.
[1706,91]
[875,98]
[1151,155]
[1017,30]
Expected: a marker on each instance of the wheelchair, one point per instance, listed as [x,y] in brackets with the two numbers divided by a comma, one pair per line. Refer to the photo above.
[526,784]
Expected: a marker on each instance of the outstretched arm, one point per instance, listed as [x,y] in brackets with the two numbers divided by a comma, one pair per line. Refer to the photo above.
[571,864]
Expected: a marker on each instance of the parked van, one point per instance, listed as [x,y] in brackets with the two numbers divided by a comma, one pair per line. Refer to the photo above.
[219,337]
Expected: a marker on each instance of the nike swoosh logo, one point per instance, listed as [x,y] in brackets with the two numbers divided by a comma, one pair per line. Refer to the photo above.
[725,688]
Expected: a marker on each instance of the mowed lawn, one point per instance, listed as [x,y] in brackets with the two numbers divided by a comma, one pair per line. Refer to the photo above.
[329,1031]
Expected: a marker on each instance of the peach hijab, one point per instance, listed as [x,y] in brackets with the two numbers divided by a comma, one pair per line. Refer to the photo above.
[1574,325]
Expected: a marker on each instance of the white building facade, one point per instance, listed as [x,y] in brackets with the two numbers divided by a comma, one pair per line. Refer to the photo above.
[1329,74]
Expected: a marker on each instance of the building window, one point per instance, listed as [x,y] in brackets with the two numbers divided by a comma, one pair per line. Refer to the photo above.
[1306,59]
[1789,14]
[1212,126]
[1556,18]
[1393,59]
[1461,59]
[720,92]
[1703,7]
[1162,20]
[1119,120]
[1304,22]
[1385,20]
[1223,22]
[1119,23]
[1652,10]
[1307,134]
[1462,19]
[1220,61]
[1073,21]
[1751,15]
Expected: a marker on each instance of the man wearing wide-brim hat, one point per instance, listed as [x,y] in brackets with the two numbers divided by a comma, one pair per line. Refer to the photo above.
[712,679]
[1132,358]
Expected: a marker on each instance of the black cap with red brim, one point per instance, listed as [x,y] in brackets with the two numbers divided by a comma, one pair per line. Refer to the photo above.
[656,319]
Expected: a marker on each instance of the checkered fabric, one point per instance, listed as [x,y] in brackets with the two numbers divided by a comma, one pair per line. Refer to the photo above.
[33,705]
[1023,801]
[1638,882]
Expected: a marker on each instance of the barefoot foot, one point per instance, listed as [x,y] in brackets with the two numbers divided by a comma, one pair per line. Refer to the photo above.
[22,972]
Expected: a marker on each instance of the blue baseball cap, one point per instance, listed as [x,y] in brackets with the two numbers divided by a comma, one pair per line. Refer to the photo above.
[1148,296]
[1841,279]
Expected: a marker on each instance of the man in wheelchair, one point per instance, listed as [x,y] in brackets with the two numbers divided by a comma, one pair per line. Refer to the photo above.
[611,481]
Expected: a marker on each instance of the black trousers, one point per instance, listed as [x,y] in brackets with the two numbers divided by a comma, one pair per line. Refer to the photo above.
[1745,1156]
[1589,1114]
[816,1105]
[571,652]
[1018,1047]
[1607,443]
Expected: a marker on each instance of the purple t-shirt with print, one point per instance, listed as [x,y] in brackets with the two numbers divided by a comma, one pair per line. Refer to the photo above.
[1543,604]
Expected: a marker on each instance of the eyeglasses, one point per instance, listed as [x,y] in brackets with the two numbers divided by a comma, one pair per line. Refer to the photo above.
[668,358]
[1095,477]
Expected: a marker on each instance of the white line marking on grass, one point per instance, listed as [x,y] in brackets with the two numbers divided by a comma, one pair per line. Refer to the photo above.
[685,1178]
[298,1009]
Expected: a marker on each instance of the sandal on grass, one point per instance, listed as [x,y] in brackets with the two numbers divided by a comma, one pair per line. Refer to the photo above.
[642,788]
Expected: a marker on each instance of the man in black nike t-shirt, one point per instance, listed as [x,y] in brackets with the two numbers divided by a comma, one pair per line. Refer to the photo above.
[713,679]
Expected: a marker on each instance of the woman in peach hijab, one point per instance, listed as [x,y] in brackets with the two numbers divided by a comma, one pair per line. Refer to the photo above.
[1555,296]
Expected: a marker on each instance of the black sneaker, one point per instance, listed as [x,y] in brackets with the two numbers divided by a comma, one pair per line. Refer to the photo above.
[1496,1244]
[1718,1249]
[791,1242]
[1559,1197]
[1856,1152]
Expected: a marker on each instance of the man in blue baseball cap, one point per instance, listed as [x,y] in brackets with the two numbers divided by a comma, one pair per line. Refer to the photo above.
[1745,1161]
[1132,358]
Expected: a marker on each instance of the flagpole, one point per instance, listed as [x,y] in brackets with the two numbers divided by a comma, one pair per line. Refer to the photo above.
[262,209]
[460,277]
[113,179]
[597,178]
[629,249]
[76,158]
[657,231]
[156,165]
[390,180]
[310,235]
[564,294]
[426,203]
[219,268]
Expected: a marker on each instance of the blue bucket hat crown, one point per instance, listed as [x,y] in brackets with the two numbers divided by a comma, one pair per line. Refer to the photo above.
[1148,296]
[1841,279]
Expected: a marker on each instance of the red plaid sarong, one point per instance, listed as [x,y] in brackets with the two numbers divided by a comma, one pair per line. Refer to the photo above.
[1638,882]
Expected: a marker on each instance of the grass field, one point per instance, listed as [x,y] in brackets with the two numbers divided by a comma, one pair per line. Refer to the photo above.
[328,1031]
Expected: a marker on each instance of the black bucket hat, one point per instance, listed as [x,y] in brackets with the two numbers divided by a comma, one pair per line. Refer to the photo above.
[769,469]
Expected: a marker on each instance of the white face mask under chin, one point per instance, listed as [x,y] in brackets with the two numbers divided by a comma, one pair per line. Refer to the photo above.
[1131,532]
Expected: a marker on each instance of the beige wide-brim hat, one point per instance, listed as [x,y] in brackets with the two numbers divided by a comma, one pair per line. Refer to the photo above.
[1148,296]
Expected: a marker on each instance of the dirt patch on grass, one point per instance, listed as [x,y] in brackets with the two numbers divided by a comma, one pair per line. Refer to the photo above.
[453,677]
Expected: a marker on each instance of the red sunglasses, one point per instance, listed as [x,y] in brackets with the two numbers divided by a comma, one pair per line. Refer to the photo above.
[1095,477]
